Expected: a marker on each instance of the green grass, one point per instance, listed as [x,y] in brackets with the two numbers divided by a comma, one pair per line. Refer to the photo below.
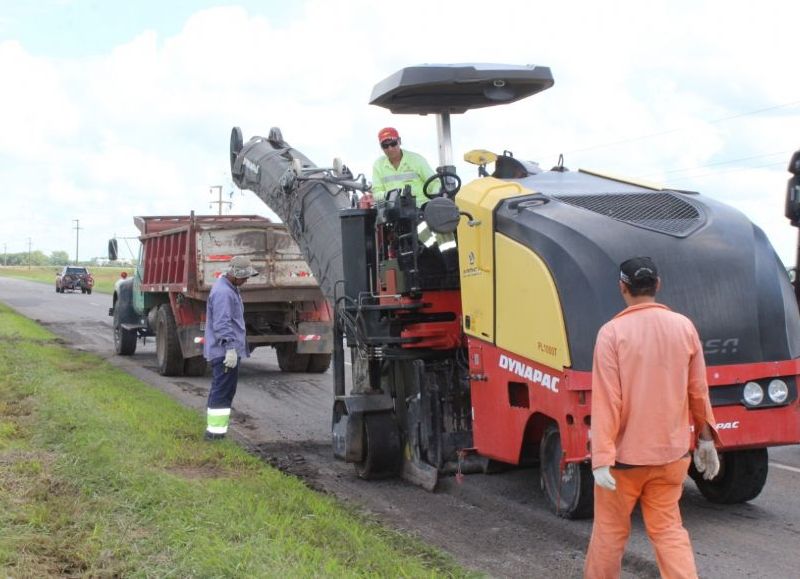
[104,476]
[104,277]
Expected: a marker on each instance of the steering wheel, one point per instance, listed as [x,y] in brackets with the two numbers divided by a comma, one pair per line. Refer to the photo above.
[444,189]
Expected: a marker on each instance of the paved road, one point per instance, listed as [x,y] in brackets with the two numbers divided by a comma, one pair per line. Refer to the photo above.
[498,524]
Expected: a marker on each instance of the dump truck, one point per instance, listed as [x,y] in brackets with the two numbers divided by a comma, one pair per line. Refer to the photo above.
[180,259]
[485,361]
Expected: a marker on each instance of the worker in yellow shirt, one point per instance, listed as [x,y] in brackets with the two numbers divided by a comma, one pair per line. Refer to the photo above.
[397,168]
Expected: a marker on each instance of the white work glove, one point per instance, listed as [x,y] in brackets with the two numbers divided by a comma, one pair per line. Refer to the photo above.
[706,459]
[603,478]
[231,358]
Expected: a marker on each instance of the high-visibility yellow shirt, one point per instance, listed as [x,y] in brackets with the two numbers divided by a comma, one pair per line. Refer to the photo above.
[648,388]
[413,170]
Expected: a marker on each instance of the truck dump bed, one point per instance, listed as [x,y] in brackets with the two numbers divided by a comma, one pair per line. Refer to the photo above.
[188,253]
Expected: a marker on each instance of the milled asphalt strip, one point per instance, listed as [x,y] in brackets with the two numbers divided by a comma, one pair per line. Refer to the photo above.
[785,467]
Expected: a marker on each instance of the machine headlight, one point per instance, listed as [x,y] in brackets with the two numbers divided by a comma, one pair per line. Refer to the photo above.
[753,394]
[778,391]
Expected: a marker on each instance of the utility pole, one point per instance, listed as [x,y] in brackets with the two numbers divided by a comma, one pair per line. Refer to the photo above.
[219,202]
[29,253]
[77,229]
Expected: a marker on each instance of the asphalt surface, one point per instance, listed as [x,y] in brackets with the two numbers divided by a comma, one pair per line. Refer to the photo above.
[497,524]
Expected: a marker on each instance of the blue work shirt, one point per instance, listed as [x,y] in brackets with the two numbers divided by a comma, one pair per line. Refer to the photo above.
[224,321]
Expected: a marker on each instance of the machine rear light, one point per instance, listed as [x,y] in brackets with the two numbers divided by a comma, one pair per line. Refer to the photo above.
[753,394]
[778,391]
[200,340]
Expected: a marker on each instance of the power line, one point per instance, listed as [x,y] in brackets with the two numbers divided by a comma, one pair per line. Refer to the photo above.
[779,163]
[670,131]
[726,162]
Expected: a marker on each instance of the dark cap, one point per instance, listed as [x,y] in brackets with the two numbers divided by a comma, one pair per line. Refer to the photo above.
[638,272]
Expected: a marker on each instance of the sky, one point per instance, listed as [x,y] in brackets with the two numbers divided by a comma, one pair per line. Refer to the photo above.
[115,109]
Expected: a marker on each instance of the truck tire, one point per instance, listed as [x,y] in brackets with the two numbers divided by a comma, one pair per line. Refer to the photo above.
[194,366]
[288,358]
[570,493]
[742,476]
[124,340]
[89,291]
[319,363]
[168,349]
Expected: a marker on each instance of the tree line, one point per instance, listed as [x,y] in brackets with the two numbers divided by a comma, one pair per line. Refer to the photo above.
[35,258]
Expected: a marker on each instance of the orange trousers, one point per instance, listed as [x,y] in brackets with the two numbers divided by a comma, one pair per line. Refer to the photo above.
[658,489]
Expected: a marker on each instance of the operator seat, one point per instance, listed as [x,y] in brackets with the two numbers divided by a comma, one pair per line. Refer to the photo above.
[506,167]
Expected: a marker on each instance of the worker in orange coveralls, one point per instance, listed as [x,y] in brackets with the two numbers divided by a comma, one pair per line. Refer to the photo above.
[648,390]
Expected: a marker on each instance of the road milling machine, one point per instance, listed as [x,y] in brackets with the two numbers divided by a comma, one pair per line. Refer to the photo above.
[467,364]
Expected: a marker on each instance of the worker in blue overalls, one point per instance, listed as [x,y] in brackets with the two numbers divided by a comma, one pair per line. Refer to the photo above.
[225,343]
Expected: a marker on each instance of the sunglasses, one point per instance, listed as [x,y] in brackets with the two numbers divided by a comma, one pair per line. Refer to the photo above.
[387,144]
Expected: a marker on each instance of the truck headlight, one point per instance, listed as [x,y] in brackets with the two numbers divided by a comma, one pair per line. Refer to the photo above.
[753,394]
[778,391]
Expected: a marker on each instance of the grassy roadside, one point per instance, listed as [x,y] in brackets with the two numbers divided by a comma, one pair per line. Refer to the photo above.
[104,277]
[102,475]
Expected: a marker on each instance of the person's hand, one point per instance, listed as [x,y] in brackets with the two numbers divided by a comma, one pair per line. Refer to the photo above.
[706,459]
[231,358]
[603,478]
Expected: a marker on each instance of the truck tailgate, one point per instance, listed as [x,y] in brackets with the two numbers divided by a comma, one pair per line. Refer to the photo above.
[270,248]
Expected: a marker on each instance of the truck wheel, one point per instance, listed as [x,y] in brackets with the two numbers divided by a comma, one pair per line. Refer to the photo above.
[288,358]
[194,366]
[168,350]
[382,449]
[570,493]
[742,476]
[319,363]
[124,340]
[89,291]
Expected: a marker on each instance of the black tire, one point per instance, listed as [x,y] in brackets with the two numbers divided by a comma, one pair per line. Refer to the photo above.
[742,476]
[319,363]
[570,493]
[194,366]
[288,358]
[124,340]
[168,349]
[89,291]
[383,454]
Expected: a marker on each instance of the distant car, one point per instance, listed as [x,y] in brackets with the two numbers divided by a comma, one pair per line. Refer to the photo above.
[73,278]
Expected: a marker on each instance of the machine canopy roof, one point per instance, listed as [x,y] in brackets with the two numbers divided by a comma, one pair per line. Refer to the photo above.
[456,88]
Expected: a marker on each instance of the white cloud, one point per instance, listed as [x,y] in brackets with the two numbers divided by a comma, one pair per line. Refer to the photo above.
[144,129]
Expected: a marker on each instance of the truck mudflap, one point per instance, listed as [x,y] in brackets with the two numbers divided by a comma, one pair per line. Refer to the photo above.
[191,340]
[314,338]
